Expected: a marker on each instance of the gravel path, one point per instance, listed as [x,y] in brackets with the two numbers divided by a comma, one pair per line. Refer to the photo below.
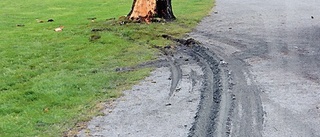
[273,47]
[164,104]
[253,72]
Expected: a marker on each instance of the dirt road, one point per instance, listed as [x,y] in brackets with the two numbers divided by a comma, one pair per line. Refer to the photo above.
[273,50]
[253,72]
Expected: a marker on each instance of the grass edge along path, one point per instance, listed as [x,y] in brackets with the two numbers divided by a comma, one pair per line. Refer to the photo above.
[51,80]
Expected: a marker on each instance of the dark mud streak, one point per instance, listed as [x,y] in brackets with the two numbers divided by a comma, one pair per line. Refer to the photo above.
[227,104]
[176,75]
[230,116]
[208,109]
[232,106]
[193,77]
[213,88]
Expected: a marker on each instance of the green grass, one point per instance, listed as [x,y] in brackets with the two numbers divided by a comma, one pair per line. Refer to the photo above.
[51,80]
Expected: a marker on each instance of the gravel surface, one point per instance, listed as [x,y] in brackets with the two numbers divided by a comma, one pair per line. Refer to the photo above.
[164,104]
[252,70]
[275,46]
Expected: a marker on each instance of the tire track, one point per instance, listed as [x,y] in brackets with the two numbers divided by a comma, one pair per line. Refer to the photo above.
[176,74]
[213,117]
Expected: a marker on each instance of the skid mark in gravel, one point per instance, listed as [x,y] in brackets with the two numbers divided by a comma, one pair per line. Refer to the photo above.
[148,110]
[190,96]
[215,110]
[213,117]
[176,74]
[273,51]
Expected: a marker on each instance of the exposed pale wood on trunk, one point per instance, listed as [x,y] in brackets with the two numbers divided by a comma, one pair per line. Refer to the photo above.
[145,10]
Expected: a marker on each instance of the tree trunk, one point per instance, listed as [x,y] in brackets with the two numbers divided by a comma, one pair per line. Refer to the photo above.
[145,10]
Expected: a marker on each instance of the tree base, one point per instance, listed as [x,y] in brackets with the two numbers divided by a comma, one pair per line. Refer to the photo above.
[146,10]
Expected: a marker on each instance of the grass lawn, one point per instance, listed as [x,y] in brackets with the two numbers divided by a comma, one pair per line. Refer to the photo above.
[51,80]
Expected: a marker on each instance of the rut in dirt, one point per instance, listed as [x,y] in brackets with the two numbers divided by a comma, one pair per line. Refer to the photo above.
[215,109]
[213,116]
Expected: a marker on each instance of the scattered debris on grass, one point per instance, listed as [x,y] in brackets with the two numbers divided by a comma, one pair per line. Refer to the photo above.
[92,19]
[20,25]
[94,37]
[50,20]
[59,29]
[186,42]
[39,21]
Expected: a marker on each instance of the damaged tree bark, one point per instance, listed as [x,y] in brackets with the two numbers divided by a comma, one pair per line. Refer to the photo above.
[146,10]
